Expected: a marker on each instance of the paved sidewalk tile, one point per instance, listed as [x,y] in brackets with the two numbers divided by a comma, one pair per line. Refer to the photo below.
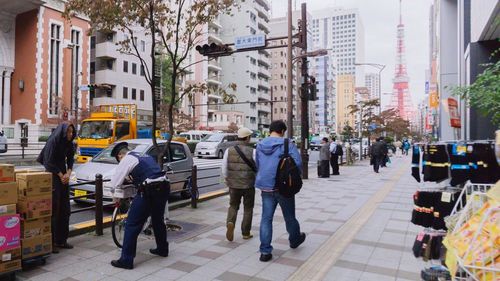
[379,251]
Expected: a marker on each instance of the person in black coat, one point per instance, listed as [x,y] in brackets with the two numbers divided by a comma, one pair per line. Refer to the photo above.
[57,156]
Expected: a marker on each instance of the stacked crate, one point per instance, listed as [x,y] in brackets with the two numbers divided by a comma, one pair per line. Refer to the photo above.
[35,209]
[10,247]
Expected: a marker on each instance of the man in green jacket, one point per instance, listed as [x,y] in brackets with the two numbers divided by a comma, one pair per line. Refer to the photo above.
[238,171]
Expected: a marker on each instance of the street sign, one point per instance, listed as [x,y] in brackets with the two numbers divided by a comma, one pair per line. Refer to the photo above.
[251,41]
[372,127]
[84,88]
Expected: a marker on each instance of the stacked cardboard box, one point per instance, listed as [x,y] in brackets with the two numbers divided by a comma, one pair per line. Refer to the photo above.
[10,228]
[35,208]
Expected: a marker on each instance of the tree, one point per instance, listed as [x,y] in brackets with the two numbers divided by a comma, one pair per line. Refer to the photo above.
[232,128]
[484,93]
[389,122]
[367,108]
[347,132]
[174,28]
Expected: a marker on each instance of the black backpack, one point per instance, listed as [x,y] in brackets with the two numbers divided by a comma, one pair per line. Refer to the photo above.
[288,177]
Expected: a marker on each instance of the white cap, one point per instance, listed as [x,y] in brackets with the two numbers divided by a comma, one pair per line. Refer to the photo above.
[244,132]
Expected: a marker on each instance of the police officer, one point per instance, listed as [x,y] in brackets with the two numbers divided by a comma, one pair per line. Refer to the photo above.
[152,194]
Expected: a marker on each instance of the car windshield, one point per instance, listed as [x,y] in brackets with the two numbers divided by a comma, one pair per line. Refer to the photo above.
[105,155]
[213,138]
[96,130]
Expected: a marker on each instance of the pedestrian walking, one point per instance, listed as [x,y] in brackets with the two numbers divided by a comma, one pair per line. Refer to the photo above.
[57,156]
[335,152]
[377,154]
[406,146]
[238,171]
[153,190]
[268,154]
[399,148]
[324,158]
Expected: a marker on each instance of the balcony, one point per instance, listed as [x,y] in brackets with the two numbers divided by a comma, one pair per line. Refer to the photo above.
[262,107]
[214,65]
[264,96]
[214,36]
[214,80]
[264,84]
[213,107]
[263,60]
[262,25]
[264,72]
[107,76]
[264,121]
[106,50]
[263,3]
[262,13]
[215,23]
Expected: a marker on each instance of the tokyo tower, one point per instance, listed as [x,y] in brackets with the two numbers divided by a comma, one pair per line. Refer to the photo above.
[401,99]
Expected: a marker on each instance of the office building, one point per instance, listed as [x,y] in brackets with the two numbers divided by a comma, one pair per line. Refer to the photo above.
[346,96]
[43,60]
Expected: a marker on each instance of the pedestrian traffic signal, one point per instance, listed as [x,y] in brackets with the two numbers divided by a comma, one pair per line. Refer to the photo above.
[214,50]
[313,90]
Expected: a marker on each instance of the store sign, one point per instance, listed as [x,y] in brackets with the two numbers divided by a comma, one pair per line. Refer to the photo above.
[454,115]
[433,96]
[252,41]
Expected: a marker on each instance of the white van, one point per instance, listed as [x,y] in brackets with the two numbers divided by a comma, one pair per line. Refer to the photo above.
[195,136]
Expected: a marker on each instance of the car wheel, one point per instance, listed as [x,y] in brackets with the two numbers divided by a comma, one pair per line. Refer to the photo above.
[220,155]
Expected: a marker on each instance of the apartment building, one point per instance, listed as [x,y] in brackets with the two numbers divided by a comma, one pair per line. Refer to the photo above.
[249,70]
[43,60]
[325,72]
[120,74]
[346,96]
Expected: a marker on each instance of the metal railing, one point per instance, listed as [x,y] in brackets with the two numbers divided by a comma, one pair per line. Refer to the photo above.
[23,148]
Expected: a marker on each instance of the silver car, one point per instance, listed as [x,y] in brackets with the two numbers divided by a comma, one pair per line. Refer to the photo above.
[215,145]
[178,163]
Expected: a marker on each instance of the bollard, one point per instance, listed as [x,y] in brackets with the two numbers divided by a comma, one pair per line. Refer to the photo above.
[98,205]
[194,187]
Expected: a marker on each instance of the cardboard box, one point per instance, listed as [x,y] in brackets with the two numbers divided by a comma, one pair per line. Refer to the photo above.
[33,184]
[8,193]
[10,255]
[35,207]
[36,246]
[10,266]
[8,209]
[37,227]
[7,173]
[10,232]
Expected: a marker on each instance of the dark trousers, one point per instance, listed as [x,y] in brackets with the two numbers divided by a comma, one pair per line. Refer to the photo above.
[334,161]
[151,203]
[235,196]
[60,210]
[376,162]
[324,168]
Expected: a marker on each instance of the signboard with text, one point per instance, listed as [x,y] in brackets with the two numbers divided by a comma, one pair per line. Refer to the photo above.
[454,114]
[251,41]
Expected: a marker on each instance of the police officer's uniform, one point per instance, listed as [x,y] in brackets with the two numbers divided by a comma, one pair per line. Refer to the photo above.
[152,194]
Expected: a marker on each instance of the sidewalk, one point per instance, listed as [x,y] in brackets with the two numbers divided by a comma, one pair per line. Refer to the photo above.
[331,211]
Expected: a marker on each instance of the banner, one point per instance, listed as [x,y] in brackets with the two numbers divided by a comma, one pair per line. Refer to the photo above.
[454,114]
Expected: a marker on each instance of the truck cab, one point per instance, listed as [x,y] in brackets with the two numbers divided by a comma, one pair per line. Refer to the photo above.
[110,123]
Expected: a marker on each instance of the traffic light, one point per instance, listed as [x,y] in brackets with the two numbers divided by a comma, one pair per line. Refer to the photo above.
[214,50]
[313,90]
[92,87]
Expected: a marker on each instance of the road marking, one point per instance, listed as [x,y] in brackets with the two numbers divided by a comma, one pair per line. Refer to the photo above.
[320,263]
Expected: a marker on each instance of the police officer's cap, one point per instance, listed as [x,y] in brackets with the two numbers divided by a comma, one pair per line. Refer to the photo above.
[118,148]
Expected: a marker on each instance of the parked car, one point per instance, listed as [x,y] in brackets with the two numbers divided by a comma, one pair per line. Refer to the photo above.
[178,160]
[215,145]
[315,143]
[194,137]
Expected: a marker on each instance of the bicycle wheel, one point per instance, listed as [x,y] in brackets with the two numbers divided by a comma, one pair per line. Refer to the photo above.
[118,222]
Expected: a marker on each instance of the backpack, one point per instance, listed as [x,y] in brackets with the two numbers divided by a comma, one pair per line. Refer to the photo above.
[288,178]
[338,150]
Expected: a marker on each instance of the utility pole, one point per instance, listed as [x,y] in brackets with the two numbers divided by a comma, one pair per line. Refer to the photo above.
[289,90]
[304,135]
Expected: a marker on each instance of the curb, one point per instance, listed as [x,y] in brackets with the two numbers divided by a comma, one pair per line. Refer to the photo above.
[89,226]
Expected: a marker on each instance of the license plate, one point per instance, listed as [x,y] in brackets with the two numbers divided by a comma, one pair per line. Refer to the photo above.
[80,193]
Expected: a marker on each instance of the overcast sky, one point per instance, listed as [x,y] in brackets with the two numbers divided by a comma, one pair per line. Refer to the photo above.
[380,19]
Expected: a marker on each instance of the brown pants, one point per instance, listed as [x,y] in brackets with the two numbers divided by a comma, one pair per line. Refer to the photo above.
[235,196]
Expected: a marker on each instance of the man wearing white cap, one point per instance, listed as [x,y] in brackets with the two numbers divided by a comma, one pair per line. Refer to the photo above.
[238,171]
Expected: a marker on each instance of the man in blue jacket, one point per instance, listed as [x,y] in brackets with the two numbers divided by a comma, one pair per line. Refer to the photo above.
[268,154]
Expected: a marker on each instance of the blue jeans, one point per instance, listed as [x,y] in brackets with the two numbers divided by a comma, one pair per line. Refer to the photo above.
[269,202]
[144,205]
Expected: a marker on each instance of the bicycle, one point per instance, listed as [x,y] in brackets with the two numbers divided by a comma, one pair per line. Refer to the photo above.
[119,218]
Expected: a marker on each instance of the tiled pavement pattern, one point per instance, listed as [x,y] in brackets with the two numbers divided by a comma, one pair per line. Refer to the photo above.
[380,251]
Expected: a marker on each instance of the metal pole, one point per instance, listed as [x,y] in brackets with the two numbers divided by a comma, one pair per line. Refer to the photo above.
[98,205]
[304,100]
[194,187]
[360,135]
[272,105]
[289,94]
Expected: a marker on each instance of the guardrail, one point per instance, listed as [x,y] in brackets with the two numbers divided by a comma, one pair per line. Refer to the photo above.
[22,149]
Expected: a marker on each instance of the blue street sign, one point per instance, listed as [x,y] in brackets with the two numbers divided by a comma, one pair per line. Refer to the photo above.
[84,88]
[372,127]
[251,41]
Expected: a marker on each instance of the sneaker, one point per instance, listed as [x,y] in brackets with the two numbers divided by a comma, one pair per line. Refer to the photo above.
[120,264]
[230,231]
[246,237]
[265,257]
[301,240]
[159,253]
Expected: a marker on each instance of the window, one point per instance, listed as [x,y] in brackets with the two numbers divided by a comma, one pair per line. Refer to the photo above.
[253,17]
[122,129]
[142,70]
[252,31]
[76,59]
[143,46]
[177,152]
[134,92]
[134,68]
[92,42]
[125,66]
[141,95]
[125,92]
[92,67]
[54,67]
